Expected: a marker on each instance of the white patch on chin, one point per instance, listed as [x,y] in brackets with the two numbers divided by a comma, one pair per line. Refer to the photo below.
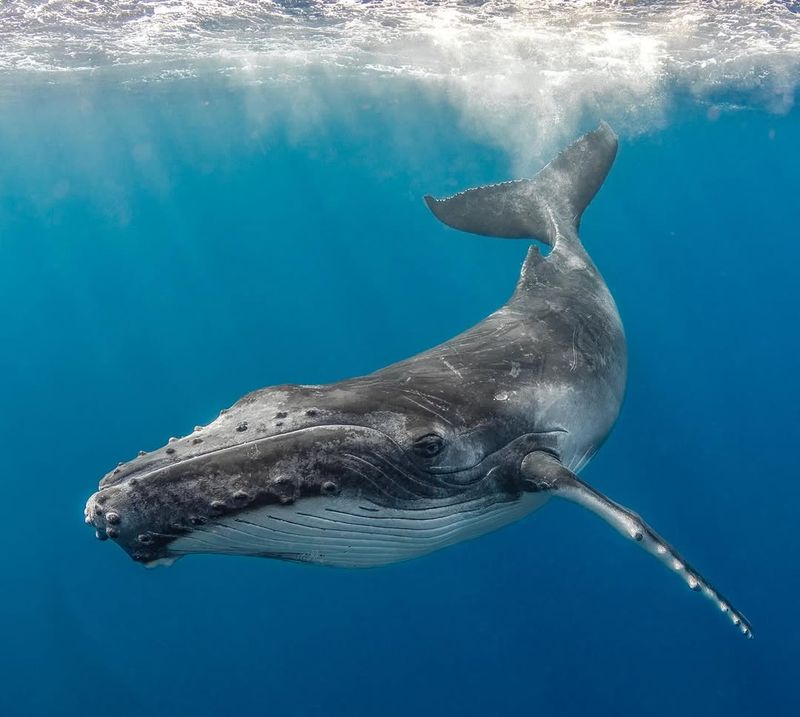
[166,562]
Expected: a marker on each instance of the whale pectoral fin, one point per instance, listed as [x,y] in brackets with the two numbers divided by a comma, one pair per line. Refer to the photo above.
[543,472]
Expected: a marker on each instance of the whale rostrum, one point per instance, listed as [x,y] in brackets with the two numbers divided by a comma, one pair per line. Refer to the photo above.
[447,445]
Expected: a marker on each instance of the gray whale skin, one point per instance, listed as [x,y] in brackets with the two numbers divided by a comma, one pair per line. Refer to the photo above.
[450,444]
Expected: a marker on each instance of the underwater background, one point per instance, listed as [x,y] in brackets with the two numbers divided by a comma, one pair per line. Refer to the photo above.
[198,199]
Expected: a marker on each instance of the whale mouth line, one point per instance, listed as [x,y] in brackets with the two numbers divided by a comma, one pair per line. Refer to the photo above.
[434,470]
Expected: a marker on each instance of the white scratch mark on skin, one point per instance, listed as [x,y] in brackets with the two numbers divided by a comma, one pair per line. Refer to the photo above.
[574,363]
[427,408]
[452,368]
[581,462]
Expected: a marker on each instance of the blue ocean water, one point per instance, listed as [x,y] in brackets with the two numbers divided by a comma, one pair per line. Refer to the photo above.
[167,246]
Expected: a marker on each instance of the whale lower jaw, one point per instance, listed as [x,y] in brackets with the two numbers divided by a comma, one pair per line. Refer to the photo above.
[350,534]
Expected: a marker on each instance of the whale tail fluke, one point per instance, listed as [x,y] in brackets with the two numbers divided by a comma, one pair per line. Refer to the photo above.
[545,207]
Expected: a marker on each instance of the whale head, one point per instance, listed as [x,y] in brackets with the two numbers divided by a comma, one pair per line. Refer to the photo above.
[361,472]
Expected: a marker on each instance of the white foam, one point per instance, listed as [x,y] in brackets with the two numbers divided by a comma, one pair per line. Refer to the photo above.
[523,74]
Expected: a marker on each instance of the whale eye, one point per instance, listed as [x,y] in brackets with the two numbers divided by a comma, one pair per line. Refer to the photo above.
[429,445]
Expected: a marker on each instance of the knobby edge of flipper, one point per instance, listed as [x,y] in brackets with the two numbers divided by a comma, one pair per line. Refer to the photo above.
[543,472]
[547,207]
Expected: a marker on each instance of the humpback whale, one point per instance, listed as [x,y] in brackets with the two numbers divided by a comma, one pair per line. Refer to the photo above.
[447,445]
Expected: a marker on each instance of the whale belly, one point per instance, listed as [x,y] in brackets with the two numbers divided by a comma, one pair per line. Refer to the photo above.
[351,533]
